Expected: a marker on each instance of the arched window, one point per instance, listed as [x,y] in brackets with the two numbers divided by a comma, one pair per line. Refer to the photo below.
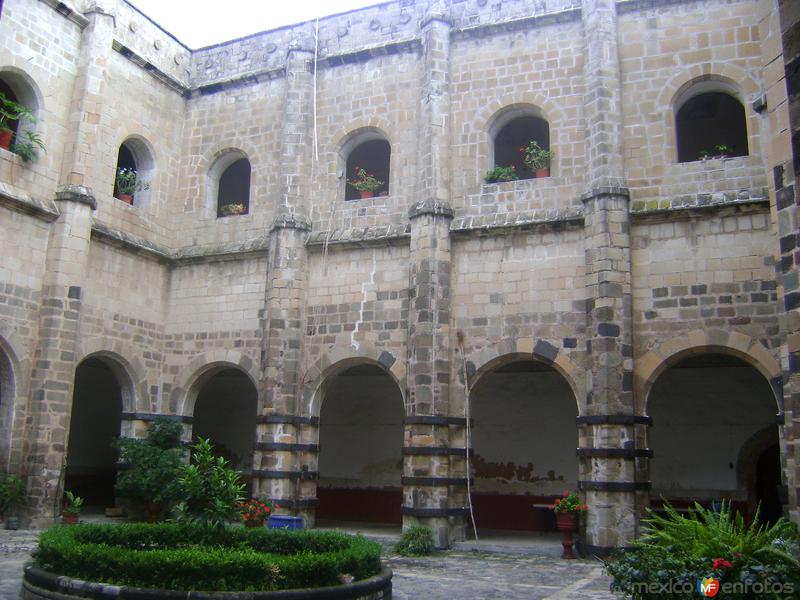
[21,105]
[516,134]
[233,189]
[133,172]
[367,166]
[710,124]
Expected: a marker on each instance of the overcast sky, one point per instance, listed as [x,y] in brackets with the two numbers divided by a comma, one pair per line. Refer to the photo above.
[199,23]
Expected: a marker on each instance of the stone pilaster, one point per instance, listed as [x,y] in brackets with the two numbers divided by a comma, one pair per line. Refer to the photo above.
[280,447]
[89,96]
[607,471]
[781,88]
[55,356]
[426,440]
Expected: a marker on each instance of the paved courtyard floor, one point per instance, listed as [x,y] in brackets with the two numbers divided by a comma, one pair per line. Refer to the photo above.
[489,572]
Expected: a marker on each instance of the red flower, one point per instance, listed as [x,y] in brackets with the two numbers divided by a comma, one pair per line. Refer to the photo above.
[566,493]
[721,562]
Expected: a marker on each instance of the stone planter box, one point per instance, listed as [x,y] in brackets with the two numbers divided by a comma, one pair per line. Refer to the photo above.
[38,584]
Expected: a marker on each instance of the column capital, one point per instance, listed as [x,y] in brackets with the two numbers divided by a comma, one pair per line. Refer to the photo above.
[434,207]
[76,193]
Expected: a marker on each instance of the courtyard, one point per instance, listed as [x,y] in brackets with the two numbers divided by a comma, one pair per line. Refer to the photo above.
[493,571]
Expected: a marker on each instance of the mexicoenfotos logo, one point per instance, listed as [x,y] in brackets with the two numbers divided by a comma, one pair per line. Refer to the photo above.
[708,587]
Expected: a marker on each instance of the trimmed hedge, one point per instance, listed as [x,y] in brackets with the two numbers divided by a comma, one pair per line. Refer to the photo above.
[191,557]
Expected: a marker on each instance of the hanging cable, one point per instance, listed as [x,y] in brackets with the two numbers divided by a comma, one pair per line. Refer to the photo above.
[468,436]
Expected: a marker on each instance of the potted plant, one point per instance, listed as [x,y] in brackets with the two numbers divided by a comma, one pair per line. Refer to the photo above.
[232,209]
[11,111]
[718,151]
[152,467]
[72,508]
[256,512]
[501,174]
[536,158]
[26,149]
[567,508]
[366,183]
[12,495]
[128,183]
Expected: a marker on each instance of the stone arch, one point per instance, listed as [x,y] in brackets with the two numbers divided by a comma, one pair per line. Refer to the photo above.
[199,370]
[649,367]
[9,398]
[144,156]
[490,357]
[730,78]
[130,372]
[339,358]
[223,160]
[379,152]
[27,91]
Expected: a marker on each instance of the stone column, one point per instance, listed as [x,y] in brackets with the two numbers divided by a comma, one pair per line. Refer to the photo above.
[780,106]
[426,440]
[66,266]
[280,447]
[607,467]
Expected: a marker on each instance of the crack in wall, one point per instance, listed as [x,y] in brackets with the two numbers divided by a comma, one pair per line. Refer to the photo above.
[365,288]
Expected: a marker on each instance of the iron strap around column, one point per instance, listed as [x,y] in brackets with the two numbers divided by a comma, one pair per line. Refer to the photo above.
[433,513]
[434,451]
[286,420]
[293,504]
[626,453]
[302,475]
[282,447]
[433,420]
[140,416]
[614,420]
[436,481]
[614,486]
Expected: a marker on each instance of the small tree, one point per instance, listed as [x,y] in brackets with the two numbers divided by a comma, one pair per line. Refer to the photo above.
[152,465]
[212,492]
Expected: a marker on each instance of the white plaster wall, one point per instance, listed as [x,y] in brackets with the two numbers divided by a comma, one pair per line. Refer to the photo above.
[701,418]
[527,419]
[361,433]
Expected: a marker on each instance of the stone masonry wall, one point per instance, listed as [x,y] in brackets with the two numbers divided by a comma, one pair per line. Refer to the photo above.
[608,270]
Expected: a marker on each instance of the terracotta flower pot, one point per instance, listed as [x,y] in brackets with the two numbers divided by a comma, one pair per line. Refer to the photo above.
[126,198]
[366,194]
[6,135]
[567,524]
[253,524]
[542,172]
[154,511]
[69,518]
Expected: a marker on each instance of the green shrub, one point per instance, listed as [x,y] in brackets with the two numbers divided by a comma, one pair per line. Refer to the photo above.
[415,541]
[501,174]
[212,492]
[183,556]
[152,464]
[678,550]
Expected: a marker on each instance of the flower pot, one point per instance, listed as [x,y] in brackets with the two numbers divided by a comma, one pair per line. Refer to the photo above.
[126,198]
[567,524]
[12,523]
[154,511]
[69,518]
[542,172]
[253,524]
[6,135]
[285,522]
[366,194]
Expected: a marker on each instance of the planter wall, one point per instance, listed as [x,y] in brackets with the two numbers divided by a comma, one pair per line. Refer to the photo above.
[38,584]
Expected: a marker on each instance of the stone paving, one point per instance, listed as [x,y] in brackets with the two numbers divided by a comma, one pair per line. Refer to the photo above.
[459,574]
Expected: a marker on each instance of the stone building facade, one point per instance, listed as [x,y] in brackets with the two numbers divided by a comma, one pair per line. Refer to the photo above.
[638,303]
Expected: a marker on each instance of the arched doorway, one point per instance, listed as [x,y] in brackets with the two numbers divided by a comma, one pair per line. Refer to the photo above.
[6,407]
[361,441]
[714,435]
[524,439]
[225,413]
[94,424]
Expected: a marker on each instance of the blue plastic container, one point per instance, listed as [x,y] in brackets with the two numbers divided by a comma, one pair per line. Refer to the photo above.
[284,522]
